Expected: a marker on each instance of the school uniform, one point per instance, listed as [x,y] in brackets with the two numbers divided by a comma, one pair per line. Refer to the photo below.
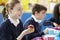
[37,33]
[55,20]
[10,30]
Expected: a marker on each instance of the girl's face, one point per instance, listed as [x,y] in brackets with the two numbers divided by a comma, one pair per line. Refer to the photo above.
[16,12]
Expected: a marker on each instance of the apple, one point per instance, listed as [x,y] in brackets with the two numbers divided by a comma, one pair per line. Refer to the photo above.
[31,26]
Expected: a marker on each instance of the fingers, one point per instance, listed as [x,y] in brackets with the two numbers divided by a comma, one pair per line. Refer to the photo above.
[31,27]
[27,31]
[46,31]
[55,24]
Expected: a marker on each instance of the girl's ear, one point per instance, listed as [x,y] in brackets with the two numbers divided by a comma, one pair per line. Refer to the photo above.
[9,10]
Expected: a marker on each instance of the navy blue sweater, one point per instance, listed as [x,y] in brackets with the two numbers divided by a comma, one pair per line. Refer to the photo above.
[55,20]
[37,27]
[9,32]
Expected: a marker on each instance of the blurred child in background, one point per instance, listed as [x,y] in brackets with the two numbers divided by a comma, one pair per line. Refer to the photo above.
[56,14]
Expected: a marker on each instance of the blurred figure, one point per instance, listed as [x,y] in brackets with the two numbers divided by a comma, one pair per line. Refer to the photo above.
[30,5]
[55,19]
[56,15]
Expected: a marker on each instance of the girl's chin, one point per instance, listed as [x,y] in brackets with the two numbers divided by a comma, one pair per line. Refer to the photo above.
[17,18]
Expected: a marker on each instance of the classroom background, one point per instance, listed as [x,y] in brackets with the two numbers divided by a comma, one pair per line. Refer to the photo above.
[27,6]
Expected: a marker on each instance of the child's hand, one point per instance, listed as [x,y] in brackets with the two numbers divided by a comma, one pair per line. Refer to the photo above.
[25,32]
[46,30]
[29,30]
[55,24]
[58,26]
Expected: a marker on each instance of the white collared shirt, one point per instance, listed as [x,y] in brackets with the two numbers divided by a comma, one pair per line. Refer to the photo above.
[36,19]
[13,21]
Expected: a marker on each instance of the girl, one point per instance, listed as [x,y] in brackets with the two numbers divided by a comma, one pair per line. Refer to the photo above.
[56,15]
[12,27]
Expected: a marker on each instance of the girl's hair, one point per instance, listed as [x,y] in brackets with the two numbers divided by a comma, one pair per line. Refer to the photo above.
[10,5]
[56,13]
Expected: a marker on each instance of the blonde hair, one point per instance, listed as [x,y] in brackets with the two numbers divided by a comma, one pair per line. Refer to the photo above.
[10,5]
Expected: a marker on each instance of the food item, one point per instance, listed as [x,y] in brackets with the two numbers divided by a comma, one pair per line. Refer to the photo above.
[31,27]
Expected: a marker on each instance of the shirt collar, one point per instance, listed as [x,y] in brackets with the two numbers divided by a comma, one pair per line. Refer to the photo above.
[12,21]
[36,19]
